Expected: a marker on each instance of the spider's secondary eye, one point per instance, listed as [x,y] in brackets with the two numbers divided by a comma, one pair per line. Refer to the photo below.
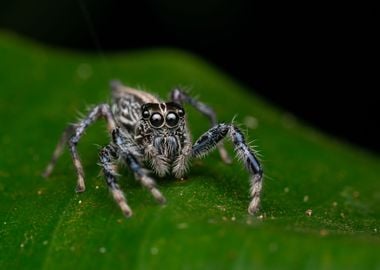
[145,113]
[156,120]
[181,112]
[172,119]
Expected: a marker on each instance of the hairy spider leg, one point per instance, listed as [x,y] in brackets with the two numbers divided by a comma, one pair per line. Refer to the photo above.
[58,150]
[180,96]
[128,152]
[209,140]
[72,136]
[107,159]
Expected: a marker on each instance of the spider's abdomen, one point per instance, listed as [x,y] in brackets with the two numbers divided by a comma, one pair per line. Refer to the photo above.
[126,104]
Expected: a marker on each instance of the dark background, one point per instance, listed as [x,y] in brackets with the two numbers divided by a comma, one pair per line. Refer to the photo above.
[315,59]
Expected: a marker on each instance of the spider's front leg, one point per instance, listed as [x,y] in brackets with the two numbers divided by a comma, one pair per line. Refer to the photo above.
[130,153]
[72,135]
[180,96]
[108,155]
[124,148]
[209,140]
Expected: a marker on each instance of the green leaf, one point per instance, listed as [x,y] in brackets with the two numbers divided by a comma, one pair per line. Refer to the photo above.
[320,202]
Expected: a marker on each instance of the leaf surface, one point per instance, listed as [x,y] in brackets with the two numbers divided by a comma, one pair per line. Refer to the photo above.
[320,202]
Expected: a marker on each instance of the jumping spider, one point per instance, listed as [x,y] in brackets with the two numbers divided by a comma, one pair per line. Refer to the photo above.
[146,129]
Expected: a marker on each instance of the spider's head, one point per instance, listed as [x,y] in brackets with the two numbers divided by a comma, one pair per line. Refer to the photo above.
[168,115]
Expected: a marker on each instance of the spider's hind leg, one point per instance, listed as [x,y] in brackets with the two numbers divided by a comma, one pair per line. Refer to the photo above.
[72,135]
[209,140]
[58,150]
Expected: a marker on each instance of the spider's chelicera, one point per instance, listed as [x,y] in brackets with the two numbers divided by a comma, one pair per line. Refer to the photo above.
[146,130]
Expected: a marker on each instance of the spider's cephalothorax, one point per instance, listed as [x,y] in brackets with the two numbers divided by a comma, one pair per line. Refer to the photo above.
[163,134]
[147,130]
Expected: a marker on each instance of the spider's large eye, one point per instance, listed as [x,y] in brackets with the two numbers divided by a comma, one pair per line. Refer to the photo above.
[172,119]
[145,113]
[156,120]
